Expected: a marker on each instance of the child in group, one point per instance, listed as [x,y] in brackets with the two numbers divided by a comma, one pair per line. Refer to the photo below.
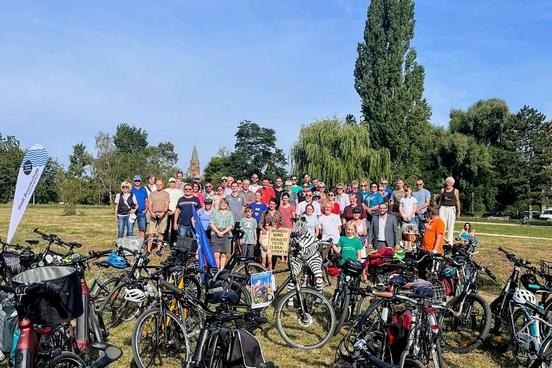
[349,246]
[249,225]
[467,231]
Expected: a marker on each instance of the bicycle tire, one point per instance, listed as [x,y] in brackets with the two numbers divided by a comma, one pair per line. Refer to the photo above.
[177,338]
[116,310]
[102,289]
[345,300]
[67,360]
[519,352]
[545,354]
[437,358]
[288,318]
[257,267]
[454,336]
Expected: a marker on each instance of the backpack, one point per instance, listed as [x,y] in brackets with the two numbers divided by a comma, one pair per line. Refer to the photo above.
[8,321]
[245,351]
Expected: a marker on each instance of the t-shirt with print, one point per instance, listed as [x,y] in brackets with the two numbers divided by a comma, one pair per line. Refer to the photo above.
[236,205]
[373,199]
[329,225]
[186,205]
[249,226]
[349,247]
[258,210]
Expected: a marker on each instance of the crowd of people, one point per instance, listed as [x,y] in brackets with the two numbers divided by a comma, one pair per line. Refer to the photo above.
[356,217]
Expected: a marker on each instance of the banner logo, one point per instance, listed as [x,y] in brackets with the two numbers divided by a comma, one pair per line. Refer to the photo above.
[27,167]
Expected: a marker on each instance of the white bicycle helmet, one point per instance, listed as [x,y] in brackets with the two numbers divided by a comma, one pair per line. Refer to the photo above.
[522,296]
[135,295]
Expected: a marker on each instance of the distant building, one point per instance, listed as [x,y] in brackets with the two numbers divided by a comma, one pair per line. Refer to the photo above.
[194,170]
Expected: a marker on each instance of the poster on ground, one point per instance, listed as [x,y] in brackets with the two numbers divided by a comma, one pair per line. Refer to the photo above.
[262,287]
[278,241]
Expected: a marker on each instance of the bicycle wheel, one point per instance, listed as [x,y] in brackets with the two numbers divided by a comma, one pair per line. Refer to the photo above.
[101,290]
[341,306]
[159,339]
[520,350]
[116,309]
[467,331]
[306,325]
[249,268]
[66,360]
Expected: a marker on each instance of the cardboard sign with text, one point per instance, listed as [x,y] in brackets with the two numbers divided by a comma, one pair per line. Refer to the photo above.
[278,241]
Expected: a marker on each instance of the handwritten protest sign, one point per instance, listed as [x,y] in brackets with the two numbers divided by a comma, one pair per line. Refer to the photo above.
[278,241]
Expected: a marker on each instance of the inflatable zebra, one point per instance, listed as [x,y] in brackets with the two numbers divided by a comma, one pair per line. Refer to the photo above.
[304,252]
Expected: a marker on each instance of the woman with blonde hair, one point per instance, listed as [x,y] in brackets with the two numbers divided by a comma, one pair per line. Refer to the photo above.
[125,209]
[222,223]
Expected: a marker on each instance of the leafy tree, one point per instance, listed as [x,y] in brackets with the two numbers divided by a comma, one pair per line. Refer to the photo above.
[336,151]
[71,192]
[79,161]
[255,151]
[216,168]
[11,155]
[161,160]
[468,162]
[390,83]
[129,139]
[527,158]
[484,120]
[47,188]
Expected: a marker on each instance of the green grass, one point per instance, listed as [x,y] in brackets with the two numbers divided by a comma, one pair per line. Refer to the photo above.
[95,227]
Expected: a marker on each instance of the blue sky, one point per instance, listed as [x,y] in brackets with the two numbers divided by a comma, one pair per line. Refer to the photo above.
[189,71]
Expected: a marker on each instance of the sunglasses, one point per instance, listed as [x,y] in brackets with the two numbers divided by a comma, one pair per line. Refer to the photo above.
[308,195]
[331,194]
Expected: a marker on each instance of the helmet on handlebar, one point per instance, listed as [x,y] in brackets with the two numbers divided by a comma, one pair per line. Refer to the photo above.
[135,295]
[117,261]
[522,296]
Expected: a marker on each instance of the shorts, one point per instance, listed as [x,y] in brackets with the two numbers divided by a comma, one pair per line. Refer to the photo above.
[263,253]
[141,221]
[220,245]
[157,225]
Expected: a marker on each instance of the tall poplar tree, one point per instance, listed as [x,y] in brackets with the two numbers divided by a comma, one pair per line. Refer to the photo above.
[390,83]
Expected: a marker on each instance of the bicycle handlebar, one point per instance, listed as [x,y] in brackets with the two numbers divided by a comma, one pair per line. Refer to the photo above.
[53,238]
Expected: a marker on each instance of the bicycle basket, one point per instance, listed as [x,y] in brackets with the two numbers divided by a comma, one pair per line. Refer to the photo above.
[45,307]
[546,270]
[133,243]
[12,261]
[439,292]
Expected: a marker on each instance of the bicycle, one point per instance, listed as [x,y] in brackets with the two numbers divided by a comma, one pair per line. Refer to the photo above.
[28,353]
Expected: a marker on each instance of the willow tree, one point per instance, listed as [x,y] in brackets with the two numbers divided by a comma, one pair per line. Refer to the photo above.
[335,151]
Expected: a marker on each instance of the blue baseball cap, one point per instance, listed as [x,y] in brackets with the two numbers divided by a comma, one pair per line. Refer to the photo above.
[137,178]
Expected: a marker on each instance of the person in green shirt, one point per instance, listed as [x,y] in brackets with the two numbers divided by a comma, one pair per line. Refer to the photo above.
[350,245]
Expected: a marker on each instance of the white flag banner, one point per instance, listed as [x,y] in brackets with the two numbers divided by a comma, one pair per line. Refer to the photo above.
[29,173]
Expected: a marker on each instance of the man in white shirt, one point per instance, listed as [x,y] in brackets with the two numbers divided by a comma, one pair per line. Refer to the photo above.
[308,200]
[341,197]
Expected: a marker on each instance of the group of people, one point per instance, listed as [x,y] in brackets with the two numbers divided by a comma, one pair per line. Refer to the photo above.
[355,217]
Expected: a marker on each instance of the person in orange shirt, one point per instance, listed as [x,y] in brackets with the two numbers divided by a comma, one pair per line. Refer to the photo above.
[432,241]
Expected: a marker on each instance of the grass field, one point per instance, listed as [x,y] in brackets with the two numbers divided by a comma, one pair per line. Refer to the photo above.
[95,227]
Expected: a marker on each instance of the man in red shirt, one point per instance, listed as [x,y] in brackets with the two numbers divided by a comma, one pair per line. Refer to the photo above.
[267,192]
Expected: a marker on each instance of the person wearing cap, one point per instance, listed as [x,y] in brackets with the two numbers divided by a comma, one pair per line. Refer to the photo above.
[205,216]
[125,205]
[209,191]
[141,195]
[174,195]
